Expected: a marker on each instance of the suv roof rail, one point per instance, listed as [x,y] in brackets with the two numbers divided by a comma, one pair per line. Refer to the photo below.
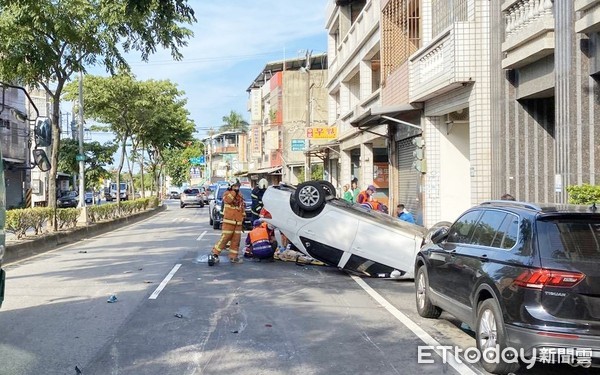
[527,205]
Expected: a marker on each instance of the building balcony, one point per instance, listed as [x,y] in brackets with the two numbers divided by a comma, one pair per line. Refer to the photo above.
[590,16]
[345,129]
[225,150]
[529,32]
[441,66]
[365,25]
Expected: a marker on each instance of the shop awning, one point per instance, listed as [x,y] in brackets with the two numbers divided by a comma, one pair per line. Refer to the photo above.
[322,150]
[384,115]
[270,170]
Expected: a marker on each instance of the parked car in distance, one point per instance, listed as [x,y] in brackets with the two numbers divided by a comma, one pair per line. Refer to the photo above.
[89,197]
[174,194]
[521,275]
[191,197]
[344,235]
[215,206]
[107,195]
[68,199]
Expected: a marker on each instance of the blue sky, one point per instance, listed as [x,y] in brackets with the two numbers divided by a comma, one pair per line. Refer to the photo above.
[233,40]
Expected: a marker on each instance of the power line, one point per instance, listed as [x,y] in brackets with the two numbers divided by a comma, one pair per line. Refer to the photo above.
[204,59]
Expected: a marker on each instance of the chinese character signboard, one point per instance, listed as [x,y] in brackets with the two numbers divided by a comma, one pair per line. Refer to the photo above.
[321,132]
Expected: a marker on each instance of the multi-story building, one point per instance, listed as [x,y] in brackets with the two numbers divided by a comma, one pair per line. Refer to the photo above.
[428,108]
[285,98]
[15,138]
[546,97]
[226,155]
[353,87]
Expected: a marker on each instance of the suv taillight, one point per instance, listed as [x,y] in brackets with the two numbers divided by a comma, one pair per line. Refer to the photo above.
[265,214]
[539,278]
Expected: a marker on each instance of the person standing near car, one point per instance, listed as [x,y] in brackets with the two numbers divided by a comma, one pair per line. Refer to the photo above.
[257,195]
[348,196]
[366,195]
[354,188]
[403,214]
[234,210]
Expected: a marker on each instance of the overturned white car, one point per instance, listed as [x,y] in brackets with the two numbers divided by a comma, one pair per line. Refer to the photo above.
[348,236]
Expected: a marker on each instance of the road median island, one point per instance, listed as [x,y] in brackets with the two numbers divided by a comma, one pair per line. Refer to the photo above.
[25,248]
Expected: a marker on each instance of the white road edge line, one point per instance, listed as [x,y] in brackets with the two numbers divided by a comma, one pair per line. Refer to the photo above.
[200,236]
[162,285]
[462,368]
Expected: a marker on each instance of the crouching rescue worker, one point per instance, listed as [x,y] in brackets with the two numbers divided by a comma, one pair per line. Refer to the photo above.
[260,242]
[233,218]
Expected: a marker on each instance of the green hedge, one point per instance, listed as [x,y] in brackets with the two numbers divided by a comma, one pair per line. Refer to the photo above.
[19,221]
[584,194]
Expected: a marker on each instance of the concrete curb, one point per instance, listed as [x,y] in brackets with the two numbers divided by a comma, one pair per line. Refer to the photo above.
[26,248]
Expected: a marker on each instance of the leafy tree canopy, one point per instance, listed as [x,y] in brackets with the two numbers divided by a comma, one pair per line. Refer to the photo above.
[177,164]
[98,157]
[234,122]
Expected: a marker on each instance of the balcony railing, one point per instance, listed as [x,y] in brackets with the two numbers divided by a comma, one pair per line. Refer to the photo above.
[442,65]
[589,21]
[225,149]
[366,23]
[528,30]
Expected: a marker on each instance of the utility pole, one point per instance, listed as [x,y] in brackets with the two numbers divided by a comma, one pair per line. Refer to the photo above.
[307,174]
[81,157]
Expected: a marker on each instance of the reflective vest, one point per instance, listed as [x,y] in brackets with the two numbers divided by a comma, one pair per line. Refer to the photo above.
[363,197]
[259,233]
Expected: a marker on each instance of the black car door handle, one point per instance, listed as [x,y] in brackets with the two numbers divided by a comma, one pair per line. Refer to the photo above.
[484,258]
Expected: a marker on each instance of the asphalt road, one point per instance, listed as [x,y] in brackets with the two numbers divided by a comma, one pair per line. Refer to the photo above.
[176,315]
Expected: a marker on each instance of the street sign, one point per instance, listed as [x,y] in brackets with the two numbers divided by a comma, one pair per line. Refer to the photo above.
[80,157]
[321,132]
[197,160]
[298,144]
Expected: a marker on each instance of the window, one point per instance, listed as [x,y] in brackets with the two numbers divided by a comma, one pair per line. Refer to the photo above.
[461,231]
[401,35]
[446,12]
[487,228]
[570,239]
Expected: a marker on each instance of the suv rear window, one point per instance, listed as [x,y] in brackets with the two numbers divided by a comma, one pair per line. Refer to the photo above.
[570,239]
[191,191]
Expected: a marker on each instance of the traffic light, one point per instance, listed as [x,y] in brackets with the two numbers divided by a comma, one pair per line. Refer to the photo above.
[419,155]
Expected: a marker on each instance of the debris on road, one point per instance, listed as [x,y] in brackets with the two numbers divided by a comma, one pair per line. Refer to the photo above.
[82,251]
[178,316]
[236,331]
[127,272]
[112,299]
[148,281]
[268,325]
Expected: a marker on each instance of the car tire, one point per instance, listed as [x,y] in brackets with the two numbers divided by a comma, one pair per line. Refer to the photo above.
[424,306]
[490,333]
[330,191]
[215,224]
[310,195]
[210,220]
[181,205]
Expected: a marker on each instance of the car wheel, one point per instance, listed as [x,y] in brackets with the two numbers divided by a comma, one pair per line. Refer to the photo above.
[424,306]
[210,220]
[490,333]
[181,205]
[215,224]
[309,195]
[330,191]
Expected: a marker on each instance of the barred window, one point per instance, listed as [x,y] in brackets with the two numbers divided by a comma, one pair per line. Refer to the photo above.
[446,12]
[401,23]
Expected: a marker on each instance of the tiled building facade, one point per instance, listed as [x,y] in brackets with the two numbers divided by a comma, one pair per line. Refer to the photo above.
[546,102]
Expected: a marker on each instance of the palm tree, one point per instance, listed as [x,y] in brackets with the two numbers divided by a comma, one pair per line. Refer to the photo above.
[234,122]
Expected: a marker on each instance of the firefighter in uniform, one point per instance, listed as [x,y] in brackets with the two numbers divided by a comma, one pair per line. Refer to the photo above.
[234,211]
[257,195]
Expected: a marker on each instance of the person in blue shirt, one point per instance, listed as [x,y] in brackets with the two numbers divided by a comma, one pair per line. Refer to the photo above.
[403,214]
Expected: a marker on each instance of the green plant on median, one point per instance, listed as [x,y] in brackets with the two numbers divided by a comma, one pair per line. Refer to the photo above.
[19,221]
[584,194]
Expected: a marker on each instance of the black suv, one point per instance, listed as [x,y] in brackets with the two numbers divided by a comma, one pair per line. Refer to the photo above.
[522,276]
[216,206]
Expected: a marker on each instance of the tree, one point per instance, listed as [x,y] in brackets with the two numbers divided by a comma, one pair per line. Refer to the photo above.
[150,113]
[234,122]
[177,162]
[98,157]
[44,42]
